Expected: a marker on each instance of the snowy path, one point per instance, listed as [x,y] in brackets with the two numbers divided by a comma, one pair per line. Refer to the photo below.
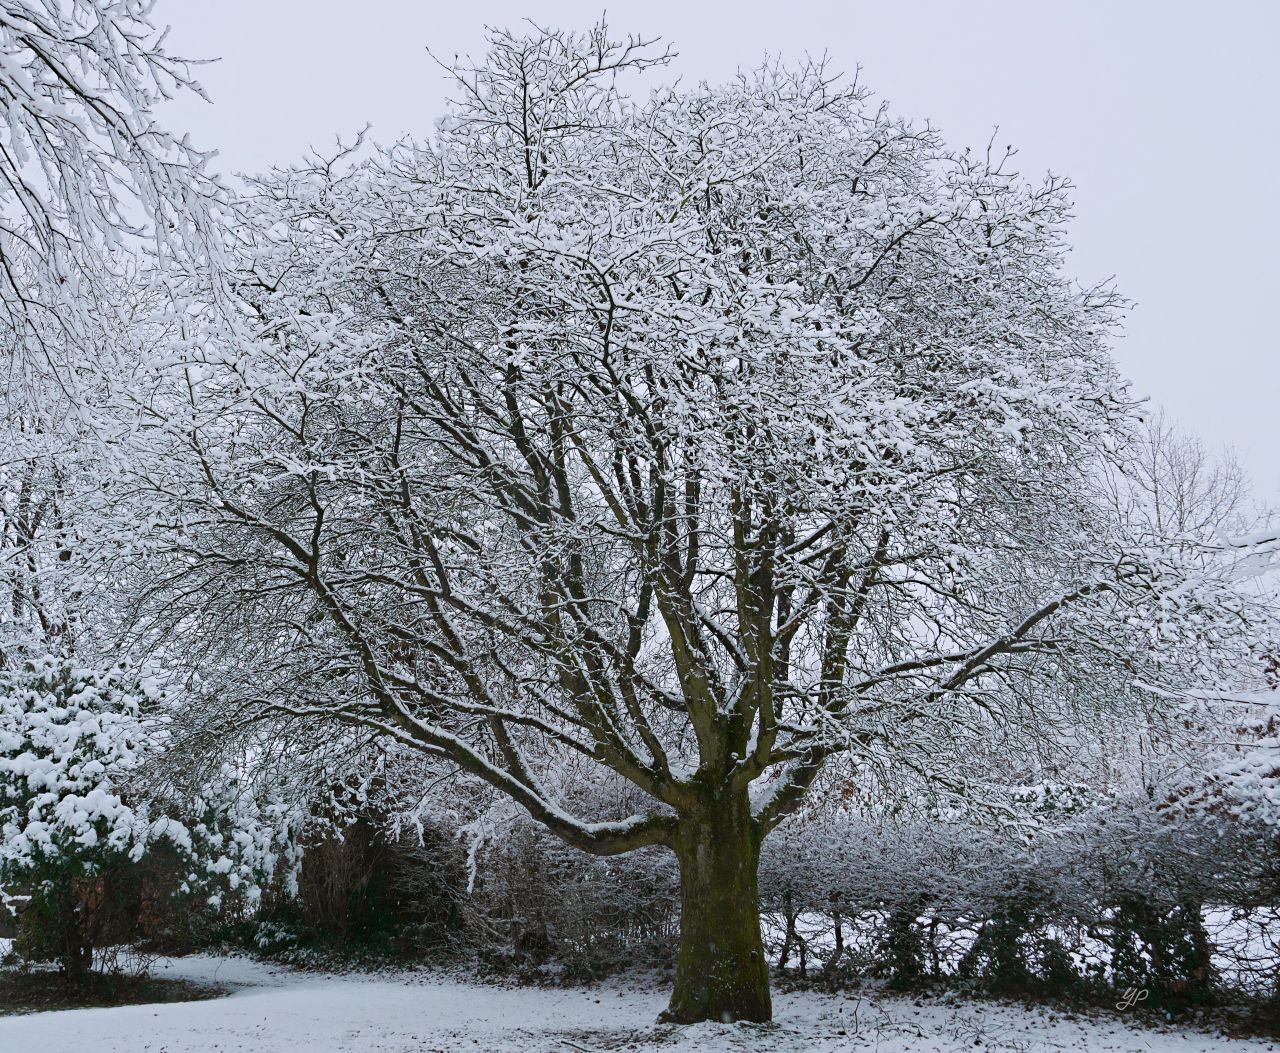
[277,1011]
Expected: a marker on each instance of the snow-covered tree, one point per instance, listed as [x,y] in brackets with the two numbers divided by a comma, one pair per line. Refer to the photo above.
[88,180]
[99,207]
[87,175]
[709,439]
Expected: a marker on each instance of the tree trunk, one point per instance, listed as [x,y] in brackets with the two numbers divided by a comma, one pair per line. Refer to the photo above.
[789,939]
[721,972]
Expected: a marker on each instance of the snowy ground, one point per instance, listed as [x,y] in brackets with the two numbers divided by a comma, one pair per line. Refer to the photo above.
[278,1011]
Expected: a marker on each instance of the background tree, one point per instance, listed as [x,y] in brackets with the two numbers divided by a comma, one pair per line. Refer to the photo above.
[688,444]
[99,206]
[87,177]
[1171,487]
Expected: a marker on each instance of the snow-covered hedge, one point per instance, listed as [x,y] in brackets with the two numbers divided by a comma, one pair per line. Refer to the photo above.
[1125,893]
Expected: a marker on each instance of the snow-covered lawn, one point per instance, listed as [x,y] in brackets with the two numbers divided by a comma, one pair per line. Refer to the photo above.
[280,1011]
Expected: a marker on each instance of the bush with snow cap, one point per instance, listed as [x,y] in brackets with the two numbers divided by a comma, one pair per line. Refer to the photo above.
[70,738]
[79,806]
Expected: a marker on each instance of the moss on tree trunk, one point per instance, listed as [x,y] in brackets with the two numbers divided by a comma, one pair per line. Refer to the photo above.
[721,973]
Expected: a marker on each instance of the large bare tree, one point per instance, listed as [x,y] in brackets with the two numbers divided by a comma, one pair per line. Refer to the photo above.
[705,440]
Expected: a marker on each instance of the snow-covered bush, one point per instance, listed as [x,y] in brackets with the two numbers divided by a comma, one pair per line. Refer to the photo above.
[71,739]
[362,893]
[92,850]
[1246,785]
[469,877]
[540,909]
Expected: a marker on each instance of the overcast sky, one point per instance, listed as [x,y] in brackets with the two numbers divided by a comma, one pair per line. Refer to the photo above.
[1163,113]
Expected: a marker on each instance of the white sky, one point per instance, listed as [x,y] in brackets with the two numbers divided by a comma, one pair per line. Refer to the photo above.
[1164,113]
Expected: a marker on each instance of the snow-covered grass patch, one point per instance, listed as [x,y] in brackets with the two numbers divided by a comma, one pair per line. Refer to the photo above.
[272,1010]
